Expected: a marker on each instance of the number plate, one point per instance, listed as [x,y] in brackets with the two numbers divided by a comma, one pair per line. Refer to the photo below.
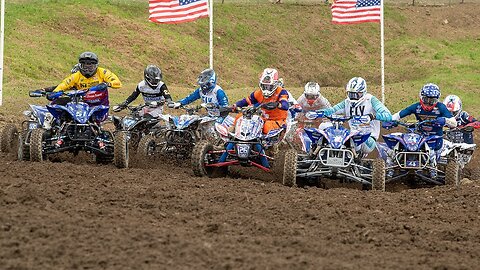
[32,125]
[243,150]
[335,161]
[413,164]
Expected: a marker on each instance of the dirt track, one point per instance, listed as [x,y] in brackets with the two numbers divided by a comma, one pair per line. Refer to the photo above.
[84,216]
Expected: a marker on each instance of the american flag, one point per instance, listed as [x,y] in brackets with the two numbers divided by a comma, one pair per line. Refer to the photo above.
[177,11]
[355,11]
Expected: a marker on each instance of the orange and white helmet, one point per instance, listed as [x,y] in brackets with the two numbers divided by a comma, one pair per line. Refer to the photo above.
[454,104]
[269,82]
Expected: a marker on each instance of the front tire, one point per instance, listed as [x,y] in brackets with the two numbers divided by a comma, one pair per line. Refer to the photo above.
[198,159]
[290,168]
[36,145]
[8,138]
[378,175]
[120,150]
[452,172]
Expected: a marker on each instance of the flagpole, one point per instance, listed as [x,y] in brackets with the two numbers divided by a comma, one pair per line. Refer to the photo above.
[2,28]
[210,10]
[382,51]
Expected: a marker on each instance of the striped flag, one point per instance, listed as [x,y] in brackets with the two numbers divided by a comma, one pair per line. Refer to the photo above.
[177,11]
[355,11]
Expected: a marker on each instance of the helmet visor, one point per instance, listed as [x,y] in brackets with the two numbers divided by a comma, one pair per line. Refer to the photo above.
[354,95]
[206,86]
[311,96]
[153,81]
[88,66]
[266,87]
[430,101]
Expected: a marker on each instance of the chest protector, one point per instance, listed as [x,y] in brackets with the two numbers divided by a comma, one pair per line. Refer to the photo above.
[360,108]
[151,94]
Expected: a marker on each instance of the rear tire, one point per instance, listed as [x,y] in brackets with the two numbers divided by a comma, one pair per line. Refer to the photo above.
[378,175]
[452,173]
[9,137]
[146,148]
[290,168]
[120,150]
[36,145]
[23,150]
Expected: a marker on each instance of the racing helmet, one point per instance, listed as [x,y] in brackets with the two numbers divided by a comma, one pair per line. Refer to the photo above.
[152,76]
[429,95]
[207,80]
[88,63]
[311,92]
[269,82]
[454,104]
[356,89]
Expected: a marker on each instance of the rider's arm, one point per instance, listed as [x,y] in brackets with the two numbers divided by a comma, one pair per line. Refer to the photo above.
[405,112]
[110,78]
[68,83]
[466,118]
[222,98]
[324,103]
[132,96]
[450,120]
[191,98]
[166,93]
[381,112]
[283,100]
[337,108]
[248,100]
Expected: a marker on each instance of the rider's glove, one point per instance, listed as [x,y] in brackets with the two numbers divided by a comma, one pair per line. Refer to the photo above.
[99,87]
[440,122]
[270,105]
[174,105]
[119,107]
[367,118]
[53,95]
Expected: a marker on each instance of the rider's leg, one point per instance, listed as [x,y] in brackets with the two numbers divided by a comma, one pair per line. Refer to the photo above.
[224,156]
[263,159]
[366,147]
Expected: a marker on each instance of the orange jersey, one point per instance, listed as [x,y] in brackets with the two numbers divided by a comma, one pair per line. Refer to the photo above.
[279,95]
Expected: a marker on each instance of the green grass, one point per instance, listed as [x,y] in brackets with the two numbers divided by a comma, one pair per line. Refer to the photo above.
[43,39]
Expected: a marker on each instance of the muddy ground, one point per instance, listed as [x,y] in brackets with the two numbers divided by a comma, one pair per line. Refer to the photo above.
[78,215]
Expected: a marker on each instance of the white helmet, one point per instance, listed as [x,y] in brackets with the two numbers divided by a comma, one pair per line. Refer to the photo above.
[311,92]
[356,88]
[454,104]
[269,81]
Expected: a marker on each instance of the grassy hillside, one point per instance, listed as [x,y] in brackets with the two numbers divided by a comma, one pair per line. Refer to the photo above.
[44,38]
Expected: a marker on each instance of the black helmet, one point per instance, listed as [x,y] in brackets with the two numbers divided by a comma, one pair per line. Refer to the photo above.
[88,63]
[152,75]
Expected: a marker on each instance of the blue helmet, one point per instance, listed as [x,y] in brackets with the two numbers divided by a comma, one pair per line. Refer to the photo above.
[429,95]
[207,80]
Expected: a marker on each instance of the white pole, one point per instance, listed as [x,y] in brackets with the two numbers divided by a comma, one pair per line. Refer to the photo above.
[2,27]
[210,10]
[382,51]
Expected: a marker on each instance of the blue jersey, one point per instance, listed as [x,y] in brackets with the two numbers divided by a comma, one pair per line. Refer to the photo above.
[440,110]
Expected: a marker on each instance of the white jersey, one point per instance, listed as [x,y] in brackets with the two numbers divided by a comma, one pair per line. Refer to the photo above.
[320,103]
[364,107]
[151,94]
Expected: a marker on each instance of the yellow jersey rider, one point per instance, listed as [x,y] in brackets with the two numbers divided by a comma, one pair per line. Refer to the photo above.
[89,76]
